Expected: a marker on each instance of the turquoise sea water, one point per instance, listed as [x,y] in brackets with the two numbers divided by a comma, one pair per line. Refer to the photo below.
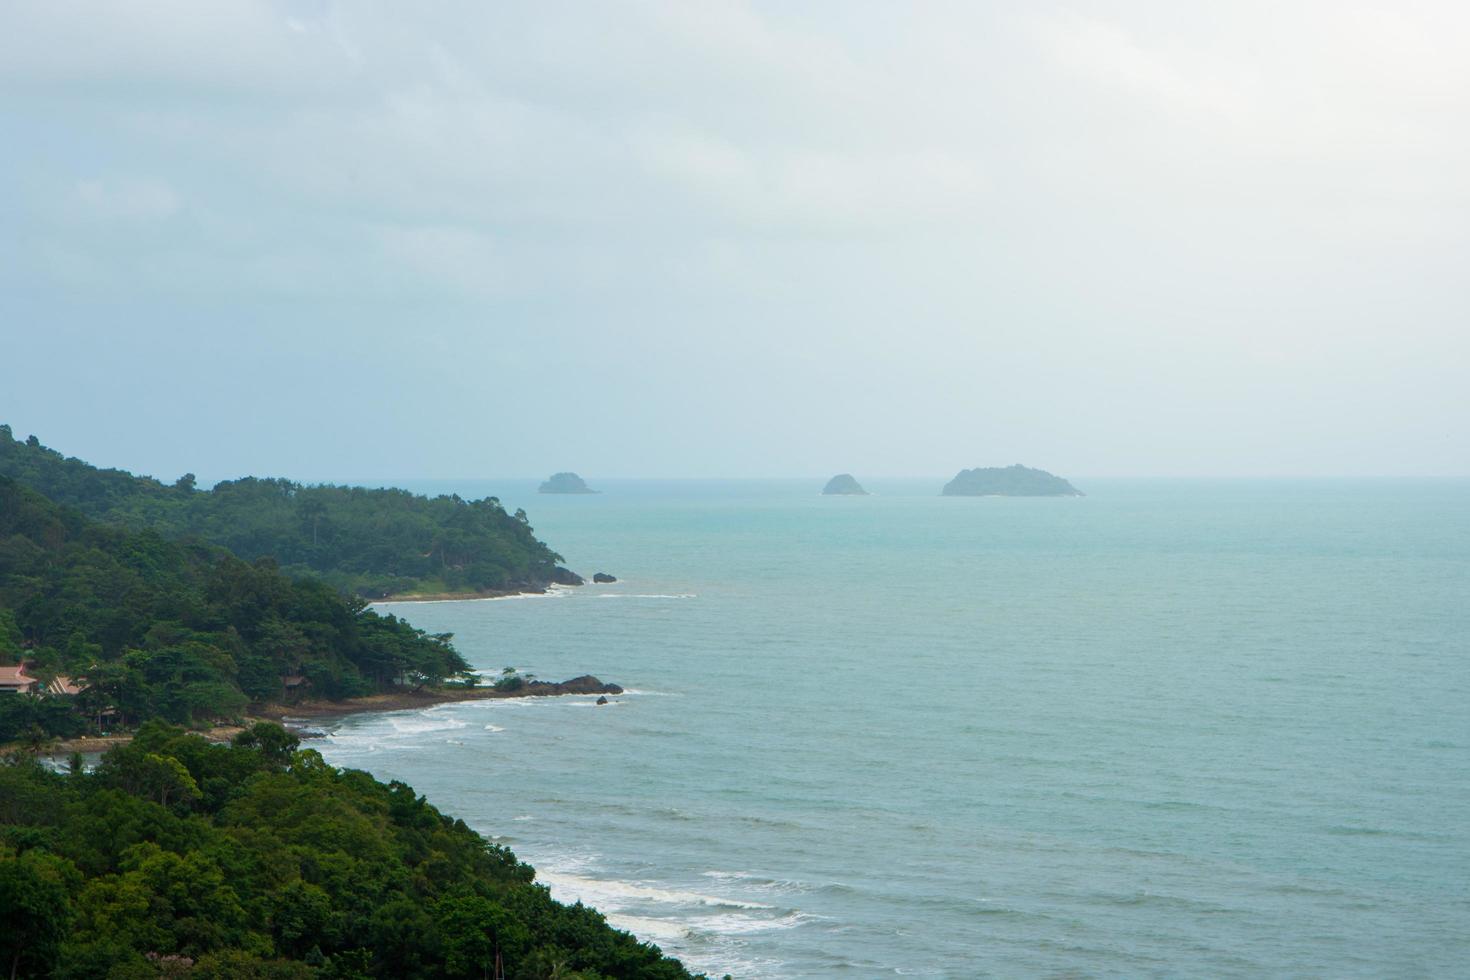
[1171,728]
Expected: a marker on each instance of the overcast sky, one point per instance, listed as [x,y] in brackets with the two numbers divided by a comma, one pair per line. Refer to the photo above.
[338,241]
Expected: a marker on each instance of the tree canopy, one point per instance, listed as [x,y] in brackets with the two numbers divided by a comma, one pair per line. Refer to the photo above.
[372,542]
[180,858]
[181,630]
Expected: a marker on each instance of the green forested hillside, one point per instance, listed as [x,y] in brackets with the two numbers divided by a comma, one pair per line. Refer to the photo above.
[182,631]
[177,858]
[370,542]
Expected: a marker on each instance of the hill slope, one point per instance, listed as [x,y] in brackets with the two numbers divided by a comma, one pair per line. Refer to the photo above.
[184,631]
[371,542]
[177,858]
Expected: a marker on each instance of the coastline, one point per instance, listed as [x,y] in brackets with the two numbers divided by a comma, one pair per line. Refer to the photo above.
[522,591]
[392,701]
[427,697]
[458,596]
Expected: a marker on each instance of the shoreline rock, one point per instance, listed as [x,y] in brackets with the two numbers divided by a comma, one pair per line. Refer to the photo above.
[565,576]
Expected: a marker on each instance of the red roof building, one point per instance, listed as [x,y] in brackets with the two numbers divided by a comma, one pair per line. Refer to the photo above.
[15,680]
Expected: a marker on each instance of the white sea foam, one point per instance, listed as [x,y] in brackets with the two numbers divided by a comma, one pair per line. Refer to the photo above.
[422,722]
[610,893]
[736,924]
[552,592]
[646,595]
[494,728]
[729,875]
[646,928]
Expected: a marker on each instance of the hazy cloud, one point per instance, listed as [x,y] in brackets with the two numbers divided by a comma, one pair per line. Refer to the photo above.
[1079,234]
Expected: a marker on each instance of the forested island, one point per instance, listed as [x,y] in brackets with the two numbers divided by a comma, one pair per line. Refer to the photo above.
[1008,481]
[844,485]
[564,483]
[370,542]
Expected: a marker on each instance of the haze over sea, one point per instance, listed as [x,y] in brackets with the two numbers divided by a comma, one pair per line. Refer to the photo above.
[1214,728]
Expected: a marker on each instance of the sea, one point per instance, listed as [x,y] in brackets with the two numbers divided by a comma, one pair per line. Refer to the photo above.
[1169,728]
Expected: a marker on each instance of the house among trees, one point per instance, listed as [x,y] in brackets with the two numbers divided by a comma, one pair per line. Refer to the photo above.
[63,685]
[15,680]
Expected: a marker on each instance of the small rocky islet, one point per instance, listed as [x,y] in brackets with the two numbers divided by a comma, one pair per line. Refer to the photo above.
[843,485]
[1008,481]
[564,483]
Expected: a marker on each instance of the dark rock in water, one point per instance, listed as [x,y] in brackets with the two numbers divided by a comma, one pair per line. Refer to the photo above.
[565,576]
[565,483]
[843,485]
[1008,481]
[586,684]
[602,700]
[602,578]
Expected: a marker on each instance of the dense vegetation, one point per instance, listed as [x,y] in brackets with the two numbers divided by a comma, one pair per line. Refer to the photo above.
[177,858]
[177,630]
[1008,481]
[372,542]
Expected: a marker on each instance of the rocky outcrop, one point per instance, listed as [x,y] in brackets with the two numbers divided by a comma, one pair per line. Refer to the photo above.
[565,576]
[602,578]
[423,697]
[602,700]
[1008,481]
[565,483]
[586,684]
[843,485]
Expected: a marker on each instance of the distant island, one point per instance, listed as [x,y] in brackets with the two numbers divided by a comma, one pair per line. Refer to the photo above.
[1008,481]
[843,485]
[565,483]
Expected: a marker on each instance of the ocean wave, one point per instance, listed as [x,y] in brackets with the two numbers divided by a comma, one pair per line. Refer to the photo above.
[736,924]
[552,592]
[494,728]
[614,894]
[418,724]
[646,927]
[764,883]
[646,595]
